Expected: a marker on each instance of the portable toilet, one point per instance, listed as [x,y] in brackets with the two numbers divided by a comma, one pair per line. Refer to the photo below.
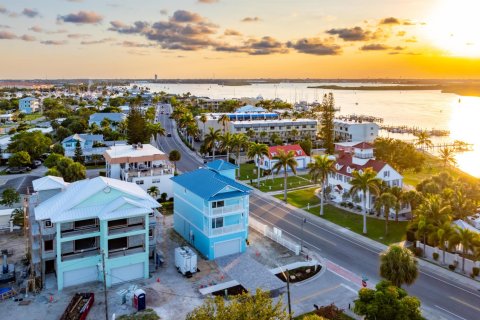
[139,302]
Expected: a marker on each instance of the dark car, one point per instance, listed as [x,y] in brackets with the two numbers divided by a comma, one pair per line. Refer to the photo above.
[17,170]
[169,134]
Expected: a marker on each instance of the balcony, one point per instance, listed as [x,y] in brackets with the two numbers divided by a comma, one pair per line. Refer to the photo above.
[80,231]
[125,252]
[227,229]
[121,230]
[226,209]
[80,254]
[129,174]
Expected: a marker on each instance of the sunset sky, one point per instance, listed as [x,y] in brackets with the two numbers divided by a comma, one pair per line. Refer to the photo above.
[239,39]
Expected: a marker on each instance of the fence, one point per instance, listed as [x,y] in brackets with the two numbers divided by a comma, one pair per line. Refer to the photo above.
[275,234]
[450,258]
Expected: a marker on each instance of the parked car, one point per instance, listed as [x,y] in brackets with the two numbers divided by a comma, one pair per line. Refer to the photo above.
[17,170]
[37,162]
[169,134]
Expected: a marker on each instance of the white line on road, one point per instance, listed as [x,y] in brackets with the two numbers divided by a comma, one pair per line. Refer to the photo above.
[348,288]
[453,314]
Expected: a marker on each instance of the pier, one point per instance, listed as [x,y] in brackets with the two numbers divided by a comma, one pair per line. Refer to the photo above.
[415,130]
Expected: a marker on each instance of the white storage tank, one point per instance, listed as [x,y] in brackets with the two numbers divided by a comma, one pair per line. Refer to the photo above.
[185,261]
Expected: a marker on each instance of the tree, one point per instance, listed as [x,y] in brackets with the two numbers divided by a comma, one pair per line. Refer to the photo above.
[423,140]
[18,217]
[387,302]
[10,196]
[250,133]
[442,235]
[413,198]
[19,159]
[34,142]
[245,306]
[137,130]
[385,202]
[466,239]
[306,145]
[397,192]
[174,156]
[78,156]
[156,129]
[239,141]
[211,139]
[398,265]
[284,161]
[226,143]
[447,155]
[319,169]
[367,183]
[326,122]
[53,172]
[203,119]
[256,151]
[74,171]
[52,160]
[224,119]
[153,191]
[61,166]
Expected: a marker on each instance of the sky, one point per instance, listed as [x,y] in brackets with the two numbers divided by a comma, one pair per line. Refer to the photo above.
[51,39]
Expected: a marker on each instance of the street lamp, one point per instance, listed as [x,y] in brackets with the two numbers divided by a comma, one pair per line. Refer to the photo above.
[286,275]
[301,238]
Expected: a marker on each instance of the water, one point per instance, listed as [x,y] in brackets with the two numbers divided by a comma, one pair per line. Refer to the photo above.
[429,109]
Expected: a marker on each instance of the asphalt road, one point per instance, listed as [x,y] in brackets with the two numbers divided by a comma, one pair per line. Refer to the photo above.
[440,295]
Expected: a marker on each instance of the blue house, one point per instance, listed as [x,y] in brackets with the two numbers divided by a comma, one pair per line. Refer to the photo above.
[28,105]
[211,209]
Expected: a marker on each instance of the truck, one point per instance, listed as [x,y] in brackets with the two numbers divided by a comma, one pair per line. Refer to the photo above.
[79,306]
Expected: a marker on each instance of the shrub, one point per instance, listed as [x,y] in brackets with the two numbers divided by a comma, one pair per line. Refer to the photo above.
[435,256]
[343,204]
[358,208]
[418,252]
[475,271]
[452,267]
[350,205]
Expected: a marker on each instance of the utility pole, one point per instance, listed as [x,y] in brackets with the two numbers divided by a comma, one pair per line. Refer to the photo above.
[303,223]
[105,284]
[288,296]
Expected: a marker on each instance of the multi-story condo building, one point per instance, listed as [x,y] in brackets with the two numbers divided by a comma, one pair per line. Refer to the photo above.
[211,209]
[28,105]
[142,164]
[355,130]
[79,229]
[286,129]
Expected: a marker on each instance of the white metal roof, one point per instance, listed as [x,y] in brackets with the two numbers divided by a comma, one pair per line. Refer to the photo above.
[120,151]
[49,183]
[94,198]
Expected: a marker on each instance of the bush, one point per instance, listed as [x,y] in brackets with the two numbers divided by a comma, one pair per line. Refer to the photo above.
[475,271]
[343,204]
[452,267]
[359,208]
[350,205]
[418,252]
[435,256]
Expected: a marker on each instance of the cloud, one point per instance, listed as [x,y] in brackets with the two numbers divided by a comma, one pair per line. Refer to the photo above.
[207,1]
[138,52]
[185,16]
[374,47]
[4,26]
[7,35]
[408,23]
[262,46]
[164,12]
[31,13]
[315,46]
[36,29]
[3,10]
[101,41]
[78,35]
[390,20]
[81,17]
[352,34]
[54,42]
[251,19]
[28,38]
[231,32]
[120,27]
[411,40]
[401,33]
[133,44]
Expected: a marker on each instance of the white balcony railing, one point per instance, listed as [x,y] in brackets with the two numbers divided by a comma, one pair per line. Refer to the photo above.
[227,229]
[226,209]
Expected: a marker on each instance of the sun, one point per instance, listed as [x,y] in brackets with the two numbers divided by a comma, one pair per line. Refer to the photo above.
[453,26]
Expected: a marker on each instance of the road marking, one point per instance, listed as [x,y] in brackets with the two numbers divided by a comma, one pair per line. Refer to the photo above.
[453,314]
[465,303]
[313,295]
[348,288]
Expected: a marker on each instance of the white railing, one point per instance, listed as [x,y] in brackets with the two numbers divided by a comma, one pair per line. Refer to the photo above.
[275,234]
[226,209]
[227,229]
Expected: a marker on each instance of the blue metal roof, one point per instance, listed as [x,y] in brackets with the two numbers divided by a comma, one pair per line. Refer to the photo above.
[208,183]
[219,165]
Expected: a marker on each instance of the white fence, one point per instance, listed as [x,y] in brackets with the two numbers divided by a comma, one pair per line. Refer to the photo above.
[450,258]
[275,234]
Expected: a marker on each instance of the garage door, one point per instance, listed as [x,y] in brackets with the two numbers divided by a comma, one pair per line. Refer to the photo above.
[84,275]
[227,247]
[127,273]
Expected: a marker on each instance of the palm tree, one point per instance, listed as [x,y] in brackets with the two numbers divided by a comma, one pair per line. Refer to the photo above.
[466,239]
[398,193]
[192,131]
[284,161]
[274,137]
[226,143]
[257,150]
[367,183]
[263,135]
[319,169]
[250,133]
[174,156]
[203,119]
[423,140]
[239,141]
[153,191]
[211,139]
[386,202]
[156,129]
[447,155]
[398,265]
[442,234]
[413,198]
[224,120]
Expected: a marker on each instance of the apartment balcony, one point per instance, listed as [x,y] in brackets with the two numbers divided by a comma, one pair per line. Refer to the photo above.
[80,254]
[225,210]
[80,231]
[126,229]
[125,252]
[129,174]
[227,229]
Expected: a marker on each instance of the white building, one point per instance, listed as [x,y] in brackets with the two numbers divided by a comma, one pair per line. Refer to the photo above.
[267,162]
[286,129]
[361,159]
[142,164]
[355,130]
[28,105]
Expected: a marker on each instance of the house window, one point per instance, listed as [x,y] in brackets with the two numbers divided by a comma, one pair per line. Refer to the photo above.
[48,224]
[151,214]
[217,223]
[48,245]
[386,173]
[83,244]
[218,204]
[150,233]
[85,224]
[156,181]
[120,223]
[118,243]
[139,182]
[272,128]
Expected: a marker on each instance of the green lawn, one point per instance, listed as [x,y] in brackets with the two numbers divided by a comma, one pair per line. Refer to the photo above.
[432,167]
[33,116]
[276,184]
[352,221]
[247,171]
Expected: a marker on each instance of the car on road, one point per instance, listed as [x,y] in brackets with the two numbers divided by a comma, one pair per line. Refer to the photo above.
[17,170]
[37,162]
[169,134]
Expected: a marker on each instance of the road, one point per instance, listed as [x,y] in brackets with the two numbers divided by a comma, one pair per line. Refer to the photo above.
[440,295]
